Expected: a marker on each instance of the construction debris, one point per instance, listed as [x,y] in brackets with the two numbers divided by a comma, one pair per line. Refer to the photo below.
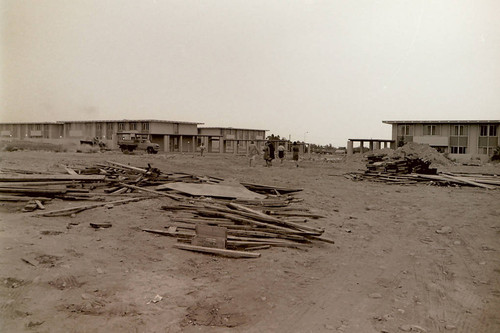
[405,167]
[211,216]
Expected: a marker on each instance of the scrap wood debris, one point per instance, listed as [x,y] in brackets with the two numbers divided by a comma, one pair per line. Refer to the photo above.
[95,183]
[251,216]
[246,228]
[412,170]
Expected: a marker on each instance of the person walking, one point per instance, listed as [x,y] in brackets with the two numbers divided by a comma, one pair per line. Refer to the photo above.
[253,151]
[295,151]
[202,149]
[268,153]
[281,153]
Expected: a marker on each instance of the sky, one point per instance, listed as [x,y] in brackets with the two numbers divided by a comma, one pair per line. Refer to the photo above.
[320,71]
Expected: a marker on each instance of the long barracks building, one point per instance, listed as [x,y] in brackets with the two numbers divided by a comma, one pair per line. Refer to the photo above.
[172,136]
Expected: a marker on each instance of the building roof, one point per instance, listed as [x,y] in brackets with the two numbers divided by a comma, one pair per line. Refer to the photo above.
[373,140]
[235,128]
[31,123]
[441,121]
[131,120]
[60,122]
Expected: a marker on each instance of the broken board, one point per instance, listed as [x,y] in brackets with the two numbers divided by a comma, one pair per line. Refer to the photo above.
[210,236]
[212,190]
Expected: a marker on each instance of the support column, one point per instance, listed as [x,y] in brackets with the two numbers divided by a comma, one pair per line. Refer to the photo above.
[235,147]
[180,143]
[376,145]
[350,149]
[361,146]
[195,140]
[370,144]
[166,143]
[221,145]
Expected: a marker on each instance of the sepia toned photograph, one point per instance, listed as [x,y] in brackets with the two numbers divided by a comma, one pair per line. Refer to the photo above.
[256,166]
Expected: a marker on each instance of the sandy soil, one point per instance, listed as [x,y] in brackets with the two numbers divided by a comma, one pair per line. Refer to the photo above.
[389,270]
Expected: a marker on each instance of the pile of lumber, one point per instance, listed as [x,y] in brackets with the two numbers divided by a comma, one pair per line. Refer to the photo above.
[399,165]
[96,183]
[248,228]
[248,216]
[488,181]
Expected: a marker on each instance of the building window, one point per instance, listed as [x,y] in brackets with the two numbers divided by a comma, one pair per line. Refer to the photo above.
[133,126]
[36,127]
[458,150]
[145,127]
[121,126]
[431,130]
[493,130]
[404,130]
[488,130]
[460,130]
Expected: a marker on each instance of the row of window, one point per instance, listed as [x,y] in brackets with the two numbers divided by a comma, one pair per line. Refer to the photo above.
[133,126]
[456,130]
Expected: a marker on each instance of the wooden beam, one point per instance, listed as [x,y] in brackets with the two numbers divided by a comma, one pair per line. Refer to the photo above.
[128,167]
[74,210]
[172,196]
[44,178]
[222,252]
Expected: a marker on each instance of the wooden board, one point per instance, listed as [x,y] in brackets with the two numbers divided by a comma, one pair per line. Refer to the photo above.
[210,236]
[223,252]
[212,190]
[41,178]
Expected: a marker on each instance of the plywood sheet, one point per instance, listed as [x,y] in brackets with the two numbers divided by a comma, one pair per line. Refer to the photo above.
[212,190]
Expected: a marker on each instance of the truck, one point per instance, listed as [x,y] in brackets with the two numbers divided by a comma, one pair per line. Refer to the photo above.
[130,141]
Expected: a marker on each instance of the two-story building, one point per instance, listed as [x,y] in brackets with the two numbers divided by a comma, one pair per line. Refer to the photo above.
[460,139]
[172,136]
[229,139]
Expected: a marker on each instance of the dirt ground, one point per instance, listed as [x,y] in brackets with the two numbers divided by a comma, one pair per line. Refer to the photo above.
[389,271]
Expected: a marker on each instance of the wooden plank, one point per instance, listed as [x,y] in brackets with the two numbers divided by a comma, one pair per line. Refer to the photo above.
[241,219]
[44,178]
[21,198]
[271,187]
[172,196]
[469,182]
[128,167]
[294,214]
[39,204]
[210,236]
[259,247]
[69,211]
[36,184]
[32,191]
[170,233]
[264,217]
[222,252]
[69,170]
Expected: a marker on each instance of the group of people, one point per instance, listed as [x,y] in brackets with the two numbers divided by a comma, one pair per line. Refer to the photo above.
[269,153]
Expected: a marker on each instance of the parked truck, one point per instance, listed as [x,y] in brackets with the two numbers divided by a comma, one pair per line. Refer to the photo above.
[130,141]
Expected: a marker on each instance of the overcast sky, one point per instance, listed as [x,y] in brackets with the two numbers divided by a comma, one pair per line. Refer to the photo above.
[325,71]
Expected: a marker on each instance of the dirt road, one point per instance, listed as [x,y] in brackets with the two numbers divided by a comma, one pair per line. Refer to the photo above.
[389,270]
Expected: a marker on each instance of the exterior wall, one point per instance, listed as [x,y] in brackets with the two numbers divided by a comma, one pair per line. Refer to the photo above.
[188,129]
[209,131]
[470,143]
[161,128]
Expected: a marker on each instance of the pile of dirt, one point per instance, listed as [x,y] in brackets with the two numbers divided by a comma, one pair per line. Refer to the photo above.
[417,150]
[30,145]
